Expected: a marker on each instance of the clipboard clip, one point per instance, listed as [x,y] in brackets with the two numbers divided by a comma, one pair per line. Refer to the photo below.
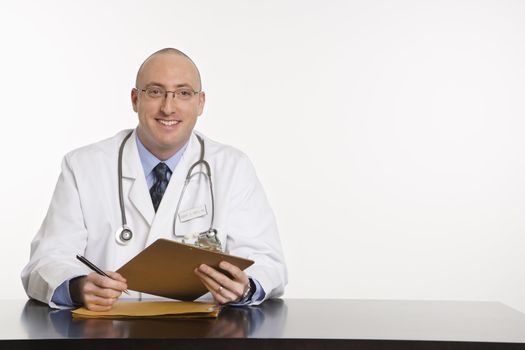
[208,240]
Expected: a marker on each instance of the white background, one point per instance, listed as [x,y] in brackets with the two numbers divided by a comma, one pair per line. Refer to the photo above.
[387,134]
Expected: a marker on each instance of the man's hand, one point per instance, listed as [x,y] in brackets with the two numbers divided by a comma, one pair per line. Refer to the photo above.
[97,292]
[223,288]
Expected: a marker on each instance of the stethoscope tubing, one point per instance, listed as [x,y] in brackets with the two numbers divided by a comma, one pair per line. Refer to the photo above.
[120,191]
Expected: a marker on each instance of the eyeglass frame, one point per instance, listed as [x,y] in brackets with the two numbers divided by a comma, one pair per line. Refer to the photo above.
[168,91]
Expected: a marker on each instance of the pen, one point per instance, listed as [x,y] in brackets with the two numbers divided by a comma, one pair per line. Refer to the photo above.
[94,268]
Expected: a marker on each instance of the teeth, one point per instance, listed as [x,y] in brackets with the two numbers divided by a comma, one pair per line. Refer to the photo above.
[168,122]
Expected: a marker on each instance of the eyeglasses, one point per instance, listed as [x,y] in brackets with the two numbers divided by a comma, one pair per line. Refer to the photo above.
[182,94]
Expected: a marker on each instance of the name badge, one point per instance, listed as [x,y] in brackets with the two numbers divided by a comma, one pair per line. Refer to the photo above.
[193,213]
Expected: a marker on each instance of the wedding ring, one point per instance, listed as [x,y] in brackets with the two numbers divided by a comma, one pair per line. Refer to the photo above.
[221,288]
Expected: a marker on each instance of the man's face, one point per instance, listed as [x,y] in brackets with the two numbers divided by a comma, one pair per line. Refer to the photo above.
[166,123]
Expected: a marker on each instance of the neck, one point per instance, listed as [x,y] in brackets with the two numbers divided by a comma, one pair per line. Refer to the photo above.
[162,153]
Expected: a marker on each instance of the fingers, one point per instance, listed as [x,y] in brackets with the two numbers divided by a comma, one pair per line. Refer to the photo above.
[116,276]
[223,288]
[99,293]
[218,279]
[233,270]
[96,303]
[108,282]
[93,289]
[221,294]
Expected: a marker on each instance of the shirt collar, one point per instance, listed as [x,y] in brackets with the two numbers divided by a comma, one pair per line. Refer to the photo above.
[149,161]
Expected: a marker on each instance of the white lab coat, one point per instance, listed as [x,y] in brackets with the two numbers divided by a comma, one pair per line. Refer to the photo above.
[84,214]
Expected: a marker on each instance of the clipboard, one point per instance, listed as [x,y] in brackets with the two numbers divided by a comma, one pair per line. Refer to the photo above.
[165,268]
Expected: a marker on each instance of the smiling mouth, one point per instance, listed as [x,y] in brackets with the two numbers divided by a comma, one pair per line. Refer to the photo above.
[168,122]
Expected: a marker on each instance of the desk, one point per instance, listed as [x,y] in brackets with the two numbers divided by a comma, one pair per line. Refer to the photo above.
[277,324]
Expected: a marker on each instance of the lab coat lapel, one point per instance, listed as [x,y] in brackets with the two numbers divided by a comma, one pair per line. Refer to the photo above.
[135,180]
[163,221]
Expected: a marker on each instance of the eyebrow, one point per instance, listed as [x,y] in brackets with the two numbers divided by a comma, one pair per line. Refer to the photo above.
[153,83]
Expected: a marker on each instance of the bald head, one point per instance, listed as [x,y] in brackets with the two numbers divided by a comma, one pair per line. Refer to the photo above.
[168,51]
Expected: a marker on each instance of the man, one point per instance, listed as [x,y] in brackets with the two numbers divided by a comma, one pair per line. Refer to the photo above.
[85,211]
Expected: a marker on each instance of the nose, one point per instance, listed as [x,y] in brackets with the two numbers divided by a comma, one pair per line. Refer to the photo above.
[168,105]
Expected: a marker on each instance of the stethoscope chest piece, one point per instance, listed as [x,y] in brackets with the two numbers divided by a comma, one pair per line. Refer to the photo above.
[123,235]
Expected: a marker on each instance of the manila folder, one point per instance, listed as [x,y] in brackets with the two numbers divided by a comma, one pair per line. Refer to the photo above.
[157,309]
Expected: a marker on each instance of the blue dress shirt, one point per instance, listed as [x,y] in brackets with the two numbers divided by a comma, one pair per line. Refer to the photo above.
[61,296]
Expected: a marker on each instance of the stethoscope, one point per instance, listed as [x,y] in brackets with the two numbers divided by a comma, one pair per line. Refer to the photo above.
[123,235]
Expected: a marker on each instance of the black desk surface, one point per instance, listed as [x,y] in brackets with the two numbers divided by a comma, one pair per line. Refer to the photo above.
[291,323]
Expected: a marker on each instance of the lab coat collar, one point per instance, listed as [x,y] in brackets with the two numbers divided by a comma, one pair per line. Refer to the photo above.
[131,165]
[132,172]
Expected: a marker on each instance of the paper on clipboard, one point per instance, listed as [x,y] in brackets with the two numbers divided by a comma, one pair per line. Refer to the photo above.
[165,268]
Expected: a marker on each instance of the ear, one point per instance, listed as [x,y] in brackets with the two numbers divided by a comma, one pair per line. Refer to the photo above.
[134,99]
[202,100]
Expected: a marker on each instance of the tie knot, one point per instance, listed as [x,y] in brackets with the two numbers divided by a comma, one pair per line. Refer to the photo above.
[161,171]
